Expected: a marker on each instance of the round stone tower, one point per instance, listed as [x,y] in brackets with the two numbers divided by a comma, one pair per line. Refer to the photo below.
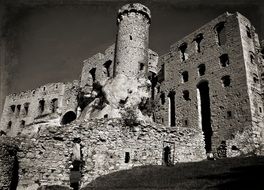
[132,41]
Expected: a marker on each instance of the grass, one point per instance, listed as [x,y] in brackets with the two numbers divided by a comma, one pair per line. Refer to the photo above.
[229,173]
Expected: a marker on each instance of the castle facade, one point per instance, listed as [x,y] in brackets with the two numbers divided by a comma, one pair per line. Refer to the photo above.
[131,107]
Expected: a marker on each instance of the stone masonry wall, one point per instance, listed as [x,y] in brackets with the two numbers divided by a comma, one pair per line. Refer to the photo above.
[99,63]
[46,157]
[131,57]
[230,106]
[23,109]
[251,47]
[8,163]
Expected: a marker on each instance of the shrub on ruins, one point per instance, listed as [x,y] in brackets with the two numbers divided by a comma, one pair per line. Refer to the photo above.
[129,116]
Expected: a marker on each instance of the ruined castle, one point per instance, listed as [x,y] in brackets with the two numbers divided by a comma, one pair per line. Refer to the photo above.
[132,107]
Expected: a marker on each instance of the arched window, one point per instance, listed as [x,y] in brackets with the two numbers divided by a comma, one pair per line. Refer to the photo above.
[198,40]
[226,80]
[221,33]
[68,117]
[54,105]
[186,95]
[182,50]
[26,107]
[201,69]
[224,60]
[41,106]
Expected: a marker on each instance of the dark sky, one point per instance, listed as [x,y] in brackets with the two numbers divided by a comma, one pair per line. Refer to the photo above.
[49,41]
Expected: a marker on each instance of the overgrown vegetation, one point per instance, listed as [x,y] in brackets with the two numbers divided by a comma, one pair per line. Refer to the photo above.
[129,116]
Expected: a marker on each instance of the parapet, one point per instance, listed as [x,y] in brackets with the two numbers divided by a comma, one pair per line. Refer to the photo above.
[133,7]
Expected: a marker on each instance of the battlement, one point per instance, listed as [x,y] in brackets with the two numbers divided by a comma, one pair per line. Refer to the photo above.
[44,89]
[135,8]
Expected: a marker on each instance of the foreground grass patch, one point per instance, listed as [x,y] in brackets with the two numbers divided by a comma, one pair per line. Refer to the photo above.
[230,173]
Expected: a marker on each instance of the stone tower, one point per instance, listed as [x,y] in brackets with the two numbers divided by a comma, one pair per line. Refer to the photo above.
[132,40]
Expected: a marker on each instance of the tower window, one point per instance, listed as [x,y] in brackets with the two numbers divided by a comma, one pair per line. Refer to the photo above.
[186,122]
[226,80]
[198,40]
[201,69]
[260,110]
[185,76]
[221,33]
[224,60]
[127,157]
[130,37]
[182,49]
[186,95]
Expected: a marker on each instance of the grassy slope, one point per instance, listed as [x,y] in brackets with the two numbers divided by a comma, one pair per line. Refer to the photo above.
[231,173]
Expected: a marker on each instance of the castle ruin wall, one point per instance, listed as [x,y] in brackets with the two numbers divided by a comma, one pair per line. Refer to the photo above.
[106,146]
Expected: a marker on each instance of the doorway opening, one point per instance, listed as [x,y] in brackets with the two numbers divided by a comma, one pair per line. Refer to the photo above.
[205,114]
[171,111]
[167,156]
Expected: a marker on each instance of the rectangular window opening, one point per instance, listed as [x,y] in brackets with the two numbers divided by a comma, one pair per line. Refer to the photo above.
[127,157]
